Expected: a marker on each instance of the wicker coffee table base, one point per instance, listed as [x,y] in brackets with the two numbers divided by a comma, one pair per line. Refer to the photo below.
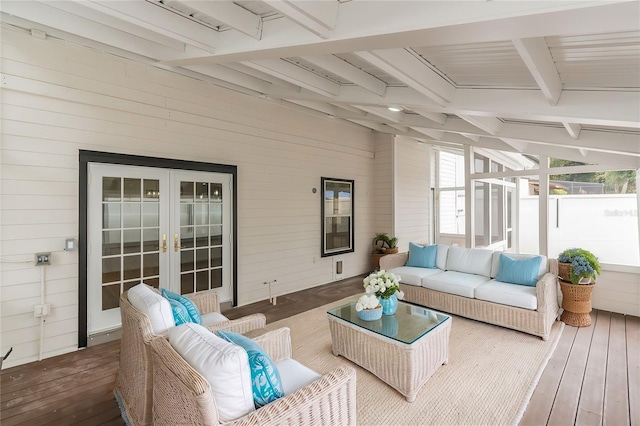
[404,367]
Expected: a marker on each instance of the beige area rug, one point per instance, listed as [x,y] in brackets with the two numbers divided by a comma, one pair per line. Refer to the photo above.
[491,374]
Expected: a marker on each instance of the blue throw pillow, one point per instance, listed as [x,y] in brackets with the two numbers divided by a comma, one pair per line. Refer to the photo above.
[522,271]
[265,378]
[180,314]
[188,304]
[422,256]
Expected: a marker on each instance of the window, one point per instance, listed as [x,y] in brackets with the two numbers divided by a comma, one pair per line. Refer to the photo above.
[337,216]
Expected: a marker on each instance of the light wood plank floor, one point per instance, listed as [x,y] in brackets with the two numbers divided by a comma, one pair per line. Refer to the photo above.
[593,377]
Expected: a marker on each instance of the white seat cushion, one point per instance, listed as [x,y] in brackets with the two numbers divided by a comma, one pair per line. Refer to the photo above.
[212,318]
[413,275]
[521,296]
[454,282]
[470,260]
[224,365]
[153,305]
[294,375]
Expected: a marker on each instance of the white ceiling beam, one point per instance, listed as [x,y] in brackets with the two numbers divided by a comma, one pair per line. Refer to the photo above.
[434,134]
[436,117]
[79,28]
[317,17]
[262,76]
[537,57]
[160,20]
[491,125]
[296,75]
[231,14]
[346,70]
[226,74]
[573,129]
[412,71]
[373,126]
[598,108]
[427,24]
[390,116]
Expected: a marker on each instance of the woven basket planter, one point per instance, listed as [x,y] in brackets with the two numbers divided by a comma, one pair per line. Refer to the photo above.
[576,302]
[564,271]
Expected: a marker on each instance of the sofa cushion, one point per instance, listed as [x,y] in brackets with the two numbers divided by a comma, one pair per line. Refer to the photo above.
[422,256]
[213,318]
[454,282]
[495,263]
[441,256]
[191,308]
[265,378]
[153,305]
[520,296]
[412,275]
[519,271]
[224,365]
[295,375]
[470,260]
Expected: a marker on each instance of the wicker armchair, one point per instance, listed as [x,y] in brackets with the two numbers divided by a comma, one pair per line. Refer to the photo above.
[181,396]
[134,388]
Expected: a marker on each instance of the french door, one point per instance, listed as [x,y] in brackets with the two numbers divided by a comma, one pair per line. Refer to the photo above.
[168,228]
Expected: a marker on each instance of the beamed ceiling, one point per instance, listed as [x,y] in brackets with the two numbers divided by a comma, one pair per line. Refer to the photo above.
[537,77]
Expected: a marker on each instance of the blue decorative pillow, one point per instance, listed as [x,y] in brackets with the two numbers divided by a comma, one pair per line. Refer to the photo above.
[265,378]
[188,304]
[180,314]
[422,256]
[522,271]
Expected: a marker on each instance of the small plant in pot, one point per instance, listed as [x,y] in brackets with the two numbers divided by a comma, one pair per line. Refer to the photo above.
[578,266]
[379,242]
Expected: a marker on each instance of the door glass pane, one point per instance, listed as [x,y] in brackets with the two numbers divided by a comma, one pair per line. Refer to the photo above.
[202,280]
[131,240]
[201,212]
[216,256]
[151,214]
[216,235]
[216,191]
[186,237]
[202,236]
[151,265]
[131,215]
[111,243]
[202,258]
[186,191]
[216,278]
[151,239]
[215,214]
[186,260]
[110,296]
[132,268]
[186,214]
[202,192]
[186,283]
[110,269]
[110,189]
[151,190]
[132,189]
[111,215]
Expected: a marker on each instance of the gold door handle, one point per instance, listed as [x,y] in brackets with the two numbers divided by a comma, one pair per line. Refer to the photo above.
[176,246]
[164,243]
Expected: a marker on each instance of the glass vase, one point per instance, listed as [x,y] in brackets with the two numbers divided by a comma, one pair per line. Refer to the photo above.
[389,305]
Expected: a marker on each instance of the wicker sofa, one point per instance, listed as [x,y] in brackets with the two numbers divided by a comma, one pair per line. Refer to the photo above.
[182,396]
[134,385]
[467,287]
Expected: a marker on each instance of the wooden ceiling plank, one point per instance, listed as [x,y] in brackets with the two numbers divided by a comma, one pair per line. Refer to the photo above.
[306,17]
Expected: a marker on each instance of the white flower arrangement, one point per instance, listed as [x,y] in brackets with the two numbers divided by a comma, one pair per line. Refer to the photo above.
[367,301]
[383,284]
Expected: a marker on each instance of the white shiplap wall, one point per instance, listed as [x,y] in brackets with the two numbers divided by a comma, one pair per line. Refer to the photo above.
[383,184]
[58,98]
[412,222]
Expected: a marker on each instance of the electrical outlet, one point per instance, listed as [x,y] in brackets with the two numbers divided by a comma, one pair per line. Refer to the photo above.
[41,310]
[43,259]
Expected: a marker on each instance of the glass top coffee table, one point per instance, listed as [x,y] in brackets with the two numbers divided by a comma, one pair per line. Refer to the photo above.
[403,350]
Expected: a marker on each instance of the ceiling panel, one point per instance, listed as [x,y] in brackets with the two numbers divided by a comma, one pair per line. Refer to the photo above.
[365,66]
[479,65]
[597,61]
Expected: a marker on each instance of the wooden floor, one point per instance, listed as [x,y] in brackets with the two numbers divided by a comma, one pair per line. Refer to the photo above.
[593,377]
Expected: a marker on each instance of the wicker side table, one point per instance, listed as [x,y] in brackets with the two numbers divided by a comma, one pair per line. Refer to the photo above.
[576,304]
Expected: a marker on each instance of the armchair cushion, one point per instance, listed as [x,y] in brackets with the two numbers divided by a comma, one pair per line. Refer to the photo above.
[153,305]
[212,318]
[265,378]
[295,375]
[224,365]
[191,308]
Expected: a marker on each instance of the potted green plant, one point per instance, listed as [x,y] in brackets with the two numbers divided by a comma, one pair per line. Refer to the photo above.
[577,269]
[379,242]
